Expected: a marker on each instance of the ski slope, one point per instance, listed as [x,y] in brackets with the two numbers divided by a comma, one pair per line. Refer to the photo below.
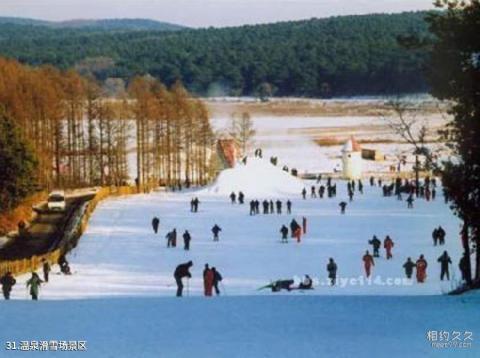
[119,255]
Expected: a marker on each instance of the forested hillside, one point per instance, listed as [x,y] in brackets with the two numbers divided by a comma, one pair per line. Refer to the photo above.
[352,55]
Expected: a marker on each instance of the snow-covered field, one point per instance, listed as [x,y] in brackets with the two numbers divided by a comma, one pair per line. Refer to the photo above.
[120,255]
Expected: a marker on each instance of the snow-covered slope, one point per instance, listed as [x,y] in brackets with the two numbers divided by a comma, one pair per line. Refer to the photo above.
[258,177]
[120,256]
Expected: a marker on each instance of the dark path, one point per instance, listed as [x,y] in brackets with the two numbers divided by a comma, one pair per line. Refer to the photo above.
[44,233]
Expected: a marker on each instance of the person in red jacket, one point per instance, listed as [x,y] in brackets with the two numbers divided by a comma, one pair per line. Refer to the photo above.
[388,245]
[208,277]
[298,234]
[421,265]
[368,263]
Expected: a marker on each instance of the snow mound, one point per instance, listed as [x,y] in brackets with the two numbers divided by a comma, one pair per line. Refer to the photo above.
[258,178]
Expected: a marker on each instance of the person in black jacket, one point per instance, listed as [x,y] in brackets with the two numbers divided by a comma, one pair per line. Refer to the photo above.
[444,261]
[284,232]
[7,281]
[332,271]
[186,240]
[216,279]
[409,265]
[155,224]
[46,269]
[216,230]
[182,271]
[376,243]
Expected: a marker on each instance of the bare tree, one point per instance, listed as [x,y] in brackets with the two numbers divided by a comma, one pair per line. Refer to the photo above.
[409,123]
[242,130]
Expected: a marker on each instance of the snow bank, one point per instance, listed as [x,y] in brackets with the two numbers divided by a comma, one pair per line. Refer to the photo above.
[258,178]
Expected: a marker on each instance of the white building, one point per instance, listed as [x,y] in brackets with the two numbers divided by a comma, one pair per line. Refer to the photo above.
[352,159]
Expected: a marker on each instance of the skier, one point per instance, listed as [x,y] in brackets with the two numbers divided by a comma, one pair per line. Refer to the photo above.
[64,266]
[257,207]
[182,271]
[34,282]
[241,197]
[368,263]
[463,266]
[332,271]
[350,194]
[360,186]
[174,238]
[217,277]
[304,193]
[155,224]
[444,262]
[216,230]
[441,235]
[195,204]
[46,269]
[289,207]
[342,205]
[252,207]
[388,245]
[7,281]
[435,236]
[208,277]
[271,207]
[293,227]
[186,240]
[192,205]
[279,285]
[233,197]
[284,232]
[265,206]
[169,238]
[421,266]
[410,201]
[304,225]
[409,265]
[278,204]
[376,243]
[313,192]
[321,191]
[307,283]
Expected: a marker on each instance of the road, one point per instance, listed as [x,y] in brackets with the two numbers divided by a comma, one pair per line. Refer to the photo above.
[44,232]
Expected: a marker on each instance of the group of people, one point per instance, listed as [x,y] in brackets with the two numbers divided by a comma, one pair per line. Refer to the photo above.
[269,207]
[241,197]
[296,230]
[438,236]
[388,245]
[172,239]
[331,191]
[211,278]
[194,205]
[7,281]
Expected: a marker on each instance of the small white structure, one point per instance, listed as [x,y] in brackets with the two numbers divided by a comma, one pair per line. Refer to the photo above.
[352,159]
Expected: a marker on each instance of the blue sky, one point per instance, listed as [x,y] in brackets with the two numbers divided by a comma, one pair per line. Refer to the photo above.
[202,13]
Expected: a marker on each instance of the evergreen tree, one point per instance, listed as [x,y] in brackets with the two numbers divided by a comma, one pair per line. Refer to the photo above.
[455,76]
[17,163]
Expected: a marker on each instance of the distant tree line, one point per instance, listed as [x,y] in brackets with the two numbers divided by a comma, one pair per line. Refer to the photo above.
[339,56]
